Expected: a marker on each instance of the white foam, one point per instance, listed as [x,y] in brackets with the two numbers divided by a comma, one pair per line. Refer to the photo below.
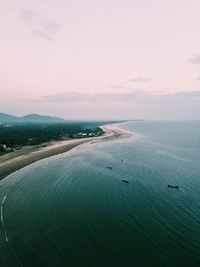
[2,218]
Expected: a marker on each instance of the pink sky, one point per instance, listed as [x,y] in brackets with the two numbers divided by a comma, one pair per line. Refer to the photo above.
[108,50]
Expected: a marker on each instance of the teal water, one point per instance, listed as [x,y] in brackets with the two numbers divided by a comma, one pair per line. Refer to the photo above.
[70,210]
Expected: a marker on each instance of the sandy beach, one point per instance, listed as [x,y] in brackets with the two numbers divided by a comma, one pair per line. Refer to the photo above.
[18,159]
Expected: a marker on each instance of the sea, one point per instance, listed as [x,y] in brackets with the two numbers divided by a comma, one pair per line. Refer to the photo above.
[72,210]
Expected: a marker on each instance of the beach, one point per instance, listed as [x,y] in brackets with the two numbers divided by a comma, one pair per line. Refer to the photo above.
[76,203]
[18,159]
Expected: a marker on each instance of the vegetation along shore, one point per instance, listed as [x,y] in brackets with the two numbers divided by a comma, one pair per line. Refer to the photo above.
[27,150]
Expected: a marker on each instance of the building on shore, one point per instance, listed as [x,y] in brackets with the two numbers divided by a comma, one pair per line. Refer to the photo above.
[3,147]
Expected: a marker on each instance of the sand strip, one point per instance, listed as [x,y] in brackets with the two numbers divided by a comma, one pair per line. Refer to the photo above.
[16,160]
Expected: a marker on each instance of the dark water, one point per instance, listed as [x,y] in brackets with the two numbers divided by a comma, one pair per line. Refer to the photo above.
[71,210]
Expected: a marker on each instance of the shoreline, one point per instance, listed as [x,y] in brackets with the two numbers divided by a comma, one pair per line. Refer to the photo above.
[16,160]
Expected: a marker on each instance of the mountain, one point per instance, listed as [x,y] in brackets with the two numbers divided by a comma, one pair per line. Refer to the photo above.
[31,118]
[7,118]
[35,118]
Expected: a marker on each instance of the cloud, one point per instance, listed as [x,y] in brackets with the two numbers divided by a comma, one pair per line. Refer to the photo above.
[131,97]
[195,60]
[126,98]
[27,15]
[39,26]
[134,80]
[42,34]
[74,97]
[139,79]
[188,95]
[137,104]
[117,86]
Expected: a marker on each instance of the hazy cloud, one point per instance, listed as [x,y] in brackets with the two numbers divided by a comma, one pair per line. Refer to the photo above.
[135,80]
[195,60]
[38,25]
[139,79]
[132,96]
[73,97]
[126,105]
[135,104]
[117,86]
[187,95]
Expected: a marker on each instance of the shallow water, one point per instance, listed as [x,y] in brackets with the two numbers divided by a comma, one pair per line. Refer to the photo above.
[70,210]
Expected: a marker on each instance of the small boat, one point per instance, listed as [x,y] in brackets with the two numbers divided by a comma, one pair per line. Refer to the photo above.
[172,186]
[110,168]
[125,181]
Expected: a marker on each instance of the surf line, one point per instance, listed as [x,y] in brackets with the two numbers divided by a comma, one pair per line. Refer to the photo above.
[2,218]
[5,233]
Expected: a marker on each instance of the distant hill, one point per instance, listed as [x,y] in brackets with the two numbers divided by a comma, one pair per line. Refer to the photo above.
[7,118]
[31,118]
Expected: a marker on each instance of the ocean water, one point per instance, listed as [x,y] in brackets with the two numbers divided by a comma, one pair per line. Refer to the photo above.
[71,210]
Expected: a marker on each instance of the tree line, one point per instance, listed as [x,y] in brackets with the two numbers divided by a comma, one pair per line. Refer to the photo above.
[33,134]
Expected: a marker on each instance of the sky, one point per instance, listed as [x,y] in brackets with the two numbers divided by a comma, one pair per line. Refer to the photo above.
[100,59]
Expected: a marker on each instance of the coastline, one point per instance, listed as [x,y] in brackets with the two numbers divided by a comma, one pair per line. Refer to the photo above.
[16,160]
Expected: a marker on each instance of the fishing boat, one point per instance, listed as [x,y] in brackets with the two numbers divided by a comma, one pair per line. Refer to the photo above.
[125,180]
[172,186]
[109,167]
